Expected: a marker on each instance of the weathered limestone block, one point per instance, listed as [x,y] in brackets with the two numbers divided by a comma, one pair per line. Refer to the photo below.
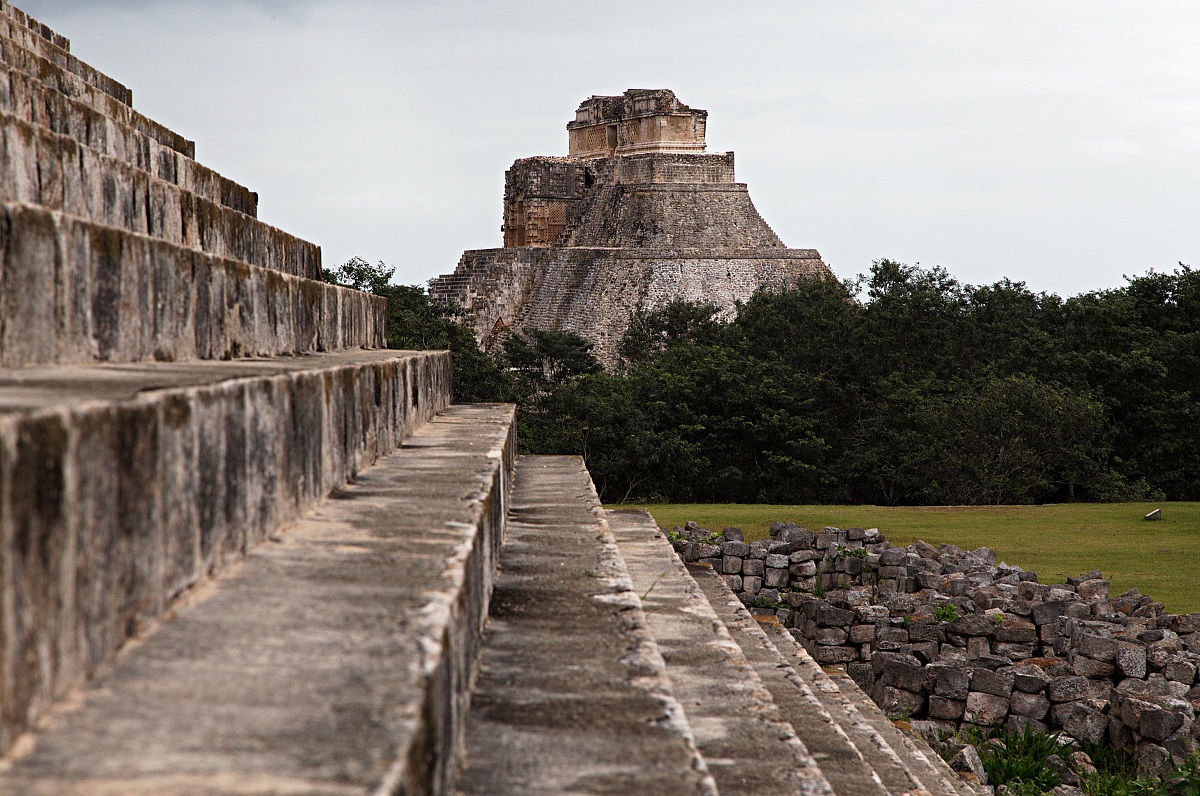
[731,565]
[943,708]
[1034,706]
[978,647]
[830,636]
[952,682]
[1017,724]
[751,566]
[1182,745]
[777,561]
[1028,678]
[1067,689]
[1082,721]
[1016,631]
[1047,612]
[989,682]
[926,631]
[972,625]
[967,761]
[898,701]
[1093,670]
[833,655]
[1152,759]
[1132,709]
[1180,670]
[1094,589]
[735,549]
[1096,647]
[1159,723]
[776,578]
[861,634]
[870,613]
[987,710]
[899,670]
[1014,652]
[1130,659]
[797,535]
[826,615]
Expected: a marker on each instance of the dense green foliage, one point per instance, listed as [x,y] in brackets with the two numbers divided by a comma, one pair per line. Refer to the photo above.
[414,323]
[902,387]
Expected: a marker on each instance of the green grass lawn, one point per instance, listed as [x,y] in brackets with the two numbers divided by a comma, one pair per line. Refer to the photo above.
[1161,559]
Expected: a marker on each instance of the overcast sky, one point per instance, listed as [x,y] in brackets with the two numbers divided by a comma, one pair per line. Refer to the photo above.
[1056,143]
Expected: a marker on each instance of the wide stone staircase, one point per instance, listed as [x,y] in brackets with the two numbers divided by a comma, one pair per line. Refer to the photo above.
[244,549]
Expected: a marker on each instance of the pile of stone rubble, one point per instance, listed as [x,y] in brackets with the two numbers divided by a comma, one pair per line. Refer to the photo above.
[957,639]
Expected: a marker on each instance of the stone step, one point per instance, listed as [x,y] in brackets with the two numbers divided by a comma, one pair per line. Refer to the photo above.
[335,660]
[116,136]
[571,695]
[20,18]
[845,766]
[922,760]
[74,292]
[748,747]
[123,486]
[903,762]
[44,85]
[52,170]
[57,69]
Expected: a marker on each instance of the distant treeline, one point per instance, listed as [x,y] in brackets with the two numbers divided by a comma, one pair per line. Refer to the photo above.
[901,387]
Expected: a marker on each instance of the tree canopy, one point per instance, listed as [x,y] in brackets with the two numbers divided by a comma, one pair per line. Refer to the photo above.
[903,386]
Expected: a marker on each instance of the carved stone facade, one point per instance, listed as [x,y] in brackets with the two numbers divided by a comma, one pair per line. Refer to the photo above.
[636,216]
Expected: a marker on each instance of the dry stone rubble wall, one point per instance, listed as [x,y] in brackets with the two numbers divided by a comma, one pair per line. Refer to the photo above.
[957,639]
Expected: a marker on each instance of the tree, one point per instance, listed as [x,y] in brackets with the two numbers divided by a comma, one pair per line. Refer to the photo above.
[414,322]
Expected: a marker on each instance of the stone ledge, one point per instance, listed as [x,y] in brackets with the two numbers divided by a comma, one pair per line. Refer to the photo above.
[57,172]
[31,101]
[121,487]
[22,19]
[736,721]
[64,72]
[336,660]
[572,694]
[73,291]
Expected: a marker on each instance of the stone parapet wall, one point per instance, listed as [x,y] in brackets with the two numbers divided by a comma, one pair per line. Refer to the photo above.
[121,488]
[955,638]
[71,291]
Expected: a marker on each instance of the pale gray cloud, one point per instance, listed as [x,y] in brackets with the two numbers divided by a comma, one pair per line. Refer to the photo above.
[1053,143]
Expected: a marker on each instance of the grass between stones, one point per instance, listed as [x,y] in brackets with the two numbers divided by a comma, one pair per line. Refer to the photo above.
[1161,559]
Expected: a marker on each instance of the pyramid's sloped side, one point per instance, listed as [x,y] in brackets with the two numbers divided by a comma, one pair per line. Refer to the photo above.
[711,218]
[594,291]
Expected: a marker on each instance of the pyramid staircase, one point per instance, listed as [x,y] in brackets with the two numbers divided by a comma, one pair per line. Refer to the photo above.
[244,549]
